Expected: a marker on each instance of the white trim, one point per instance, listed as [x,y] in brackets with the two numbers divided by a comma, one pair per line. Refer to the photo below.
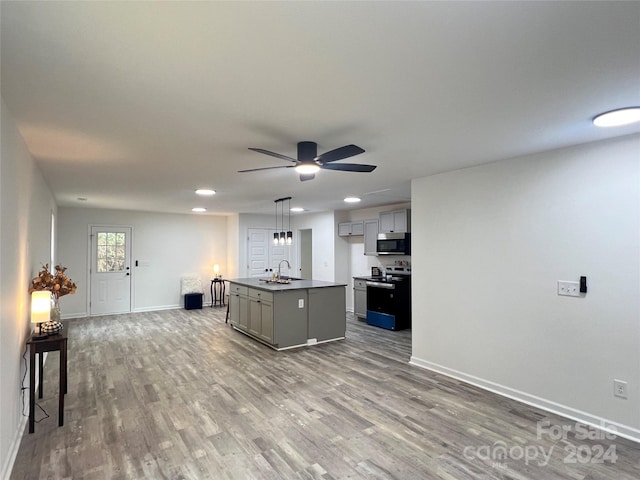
[13,450]
[7,468]
[151,309]
[618,429]
[71,316]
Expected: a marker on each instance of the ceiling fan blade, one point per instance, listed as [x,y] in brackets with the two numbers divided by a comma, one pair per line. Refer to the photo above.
[349,167]
[307,176]
[274,154]
[340,153]
[265,168]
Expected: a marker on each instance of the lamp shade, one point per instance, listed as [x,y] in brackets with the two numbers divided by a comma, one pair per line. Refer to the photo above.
[40,306]
[216,269]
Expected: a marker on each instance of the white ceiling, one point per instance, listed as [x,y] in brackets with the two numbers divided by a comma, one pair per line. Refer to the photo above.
[133,105]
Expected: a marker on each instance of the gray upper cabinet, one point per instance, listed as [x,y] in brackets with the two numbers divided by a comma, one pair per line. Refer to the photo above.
[370,236]
[346,229]
[396,221]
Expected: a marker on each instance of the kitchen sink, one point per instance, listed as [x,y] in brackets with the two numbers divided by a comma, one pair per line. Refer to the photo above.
[281,280]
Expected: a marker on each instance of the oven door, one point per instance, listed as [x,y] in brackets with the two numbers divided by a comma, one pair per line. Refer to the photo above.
[381,305]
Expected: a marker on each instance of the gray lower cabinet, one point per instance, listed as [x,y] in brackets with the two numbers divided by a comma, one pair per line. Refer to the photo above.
[255,311]
[284,318]
[239,306]
[359,297]
[261,314]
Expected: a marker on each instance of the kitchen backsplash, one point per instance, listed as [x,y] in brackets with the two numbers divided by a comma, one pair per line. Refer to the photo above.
[382,262]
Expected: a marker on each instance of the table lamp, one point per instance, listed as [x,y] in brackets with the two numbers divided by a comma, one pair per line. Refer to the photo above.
[40,308]
[216,270]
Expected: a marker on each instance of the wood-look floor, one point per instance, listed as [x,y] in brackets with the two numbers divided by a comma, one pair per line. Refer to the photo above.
[180,395]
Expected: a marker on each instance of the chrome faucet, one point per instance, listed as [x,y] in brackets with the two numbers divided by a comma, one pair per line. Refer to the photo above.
[288,265]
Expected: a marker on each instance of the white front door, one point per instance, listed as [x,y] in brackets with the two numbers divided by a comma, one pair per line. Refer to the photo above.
[263,256]
[110,270]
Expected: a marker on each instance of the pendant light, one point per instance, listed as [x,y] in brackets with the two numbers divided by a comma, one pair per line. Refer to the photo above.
[289,232]
[282,234]
[275,234]
[282,237]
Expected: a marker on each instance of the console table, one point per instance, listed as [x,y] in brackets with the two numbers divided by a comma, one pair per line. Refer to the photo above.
[218,289]
[39,345]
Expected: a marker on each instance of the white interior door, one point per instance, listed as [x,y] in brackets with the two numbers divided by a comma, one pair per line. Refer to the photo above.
[110,270]
[277,253]
[263,256]
[258,252]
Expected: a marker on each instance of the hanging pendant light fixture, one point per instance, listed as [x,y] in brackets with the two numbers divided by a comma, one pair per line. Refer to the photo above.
[282,234]
[289,232]
[275,234]
[282,237]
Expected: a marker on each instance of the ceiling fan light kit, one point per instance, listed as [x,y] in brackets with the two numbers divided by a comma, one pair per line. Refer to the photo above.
[309,162]
[307,168]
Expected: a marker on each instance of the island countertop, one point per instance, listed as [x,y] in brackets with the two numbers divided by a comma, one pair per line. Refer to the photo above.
[280,287]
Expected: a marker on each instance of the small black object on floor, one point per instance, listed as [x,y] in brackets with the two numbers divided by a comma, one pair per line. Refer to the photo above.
[193,301]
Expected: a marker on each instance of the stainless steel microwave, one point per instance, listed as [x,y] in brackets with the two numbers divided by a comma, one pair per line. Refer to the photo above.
[393,244]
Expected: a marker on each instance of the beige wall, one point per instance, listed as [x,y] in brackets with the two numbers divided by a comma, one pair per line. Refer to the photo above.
[168,245]
[26,205]
[490,244]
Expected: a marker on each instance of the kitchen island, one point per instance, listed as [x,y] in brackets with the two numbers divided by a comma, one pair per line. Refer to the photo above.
[287,315]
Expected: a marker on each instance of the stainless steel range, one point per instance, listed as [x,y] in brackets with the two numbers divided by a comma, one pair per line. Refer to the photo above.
[389,299]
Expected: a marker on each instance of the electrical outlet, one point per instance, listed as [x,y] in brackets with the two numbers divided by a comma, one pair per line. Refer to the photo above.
[620,388]
[301,303]
[569,289]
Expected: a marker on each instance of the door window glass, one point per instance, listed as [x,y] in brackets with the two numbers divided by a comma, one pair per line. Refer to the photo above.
[111,252]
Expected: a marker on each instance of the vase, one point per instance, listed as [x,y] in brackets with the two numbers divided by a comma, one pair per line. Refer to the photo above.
[53,326]
[55,309]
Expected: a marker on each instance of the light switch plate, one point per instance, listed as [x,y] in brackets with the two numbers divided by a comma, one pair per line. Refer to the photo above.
[301,303]
[569,289]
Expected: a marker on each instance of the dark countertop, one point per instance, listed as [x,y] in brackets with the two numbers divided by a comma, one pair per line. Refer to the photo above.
[280,287]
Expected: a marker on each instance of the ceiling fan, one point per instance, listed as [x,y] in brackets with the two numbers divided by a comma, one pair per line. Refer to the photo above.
[309,162]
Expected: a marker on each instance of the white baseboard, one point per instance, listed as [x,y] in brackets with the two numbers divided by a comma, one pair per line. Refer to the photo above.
[71,316]
[616,428]
[156,308]
[7,468]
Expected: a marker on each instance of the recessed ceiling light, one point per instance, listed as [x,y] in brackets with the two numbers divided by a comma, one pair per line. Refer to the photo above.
[297,209]
[205,191]
[198,209]
[307,168]
[352,199]
[617,118]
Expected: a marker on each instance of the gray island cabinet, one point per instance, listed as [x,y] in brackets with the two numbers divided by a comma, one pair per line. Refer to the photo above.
[303,312]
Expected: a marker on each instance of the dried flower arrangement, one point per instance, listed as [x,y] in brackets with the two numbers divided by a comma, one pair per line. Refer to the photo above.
[58,284]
